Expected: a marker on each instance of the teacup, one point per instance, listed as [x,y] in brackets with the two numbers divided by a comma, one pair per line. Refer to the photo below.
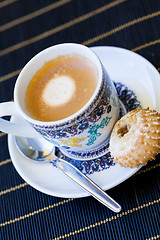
[85,129]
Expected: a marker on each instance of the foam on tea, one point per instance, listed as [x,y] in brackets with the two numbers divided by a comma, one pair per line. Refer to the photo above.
[61,88]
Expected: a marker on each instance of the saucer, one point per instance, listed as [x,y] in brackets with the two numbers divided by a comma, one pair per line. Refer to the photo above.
[123,66]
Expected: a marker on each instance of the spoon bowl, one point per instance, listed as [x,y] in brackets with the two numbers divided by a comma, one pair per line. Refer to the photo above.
[42,150]
[35,149]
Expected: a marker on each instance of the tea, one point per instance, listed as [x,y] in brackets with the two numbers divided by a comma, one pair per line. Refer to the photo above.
[61,88]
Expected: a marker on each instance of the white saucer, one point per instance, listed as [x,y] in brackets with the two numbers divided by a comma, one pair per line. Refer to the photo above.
[123,66]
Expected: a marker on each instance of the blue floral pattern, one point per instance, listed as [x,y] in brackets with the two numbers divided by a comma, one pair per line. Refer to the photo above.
[130,102]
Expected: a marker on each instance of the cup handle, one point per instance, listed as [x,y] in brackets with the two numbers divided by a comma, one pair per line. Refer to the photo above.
[17,129]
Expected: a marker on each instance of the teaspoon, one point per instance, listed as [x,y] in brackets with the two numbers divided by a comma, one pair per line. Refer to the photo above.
[41,150]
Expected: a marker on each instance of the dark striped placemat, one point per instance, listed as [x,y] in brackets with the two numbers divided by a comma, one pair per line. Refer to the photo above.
[27,27]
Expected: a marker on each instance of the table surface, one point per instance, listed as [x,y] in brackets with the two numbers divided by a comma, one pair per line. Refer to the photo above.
[26,28]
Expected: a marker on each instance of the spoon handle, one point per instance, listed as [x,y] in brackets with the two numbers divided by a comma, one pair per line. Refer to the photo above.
[87,184]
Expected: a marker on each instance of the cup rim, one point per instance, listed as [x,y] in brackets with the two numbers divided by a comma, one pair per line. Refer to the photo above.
[80,111]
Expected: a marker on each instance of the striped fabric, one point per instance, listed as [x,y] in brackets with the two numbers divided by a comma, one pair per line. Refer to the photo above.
[26,28]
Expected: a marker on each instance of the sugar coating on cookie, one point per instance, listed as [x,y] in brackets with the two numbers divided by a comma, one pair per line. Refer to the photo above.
[58,90]
[135,138]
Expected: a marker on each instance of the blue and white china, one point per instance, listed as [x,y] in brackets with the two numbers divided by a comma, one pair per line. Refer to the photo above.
[85,129]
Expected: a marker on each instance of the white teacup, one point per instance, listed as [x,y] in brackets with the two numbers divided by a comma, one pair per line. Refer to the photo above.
[87,128]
